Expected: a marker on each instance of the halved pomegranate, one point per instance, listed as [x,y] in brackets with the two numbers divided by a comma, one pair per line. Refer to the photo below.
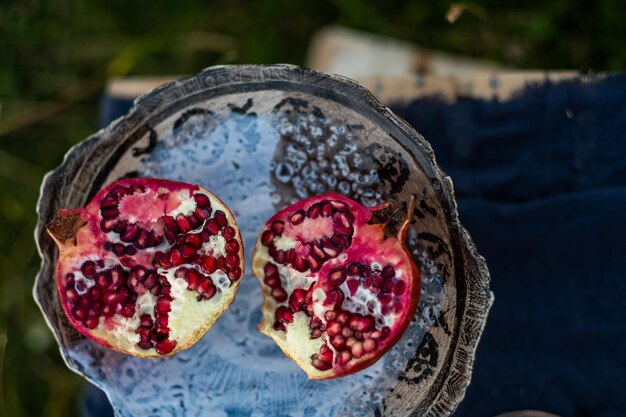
[148,265]
[339,285]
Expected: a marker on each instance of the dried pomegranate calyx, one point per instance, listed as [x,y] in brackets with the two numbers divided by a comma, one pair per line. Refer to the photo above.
[339,285]
[148,265]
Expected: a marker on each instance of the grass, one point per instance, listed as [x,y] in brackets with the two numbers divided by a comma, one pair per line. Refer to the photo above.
[56,56]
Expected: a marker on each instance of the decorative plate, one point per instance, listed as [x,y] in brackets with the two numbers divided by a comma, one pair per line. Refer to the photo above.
[260,138]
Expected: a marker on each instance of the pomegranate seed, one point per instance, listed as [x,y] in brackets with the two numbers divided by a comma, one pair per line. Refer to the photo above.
[337,276]
[313,211]
[71,295]
[297,299]
[316,323]
[209,265]
[108,310]
[92,322]
[300,264]
[232,247]
[333,328]
[297,217]
[369,345]
[350,341]
[232,260]
[107,225]
[326,354]
[228,233]
[346,332]
[119,249]
[187,252]
[162,320]
[194,240]
[88,269]
[284,314]
[130,250]
[109,201]
[212,227]
[109,297]
[320,364]
[202,200]
[344,357]
[170,223]
[343,318]
[165,346]
[279,294]
[399,287]
[109,212]
[272,282]
[220,263]
[327,210]
[202,213]
[334,298]
[183,223]
[330,315]
[234,274]
[151,280]
[388,272]
[194,222]
[94,294]
[163,305]
[145,320]
[69,279]
[221,218]
[338,342]
[353,285]
[145,344]
[176,257]
[130,233]
[128,310]
[192,278]
[267,237]
[357,349]
[142,239]
[314,263]
[339,205]
[270,270]
[277,228]
[279,326]
[120,226]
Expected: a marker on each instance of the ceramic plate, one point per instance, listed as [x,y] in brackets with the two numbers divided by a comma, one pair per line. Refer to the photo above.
[261,138]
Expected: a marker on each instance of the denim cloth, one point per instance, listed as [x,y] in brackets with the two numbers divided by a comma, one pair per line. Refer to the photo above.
[540,182]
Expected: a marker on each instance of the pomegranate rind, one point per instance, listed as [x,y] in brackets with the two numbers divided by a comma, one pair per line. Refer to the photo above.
[76,230]
[370,238]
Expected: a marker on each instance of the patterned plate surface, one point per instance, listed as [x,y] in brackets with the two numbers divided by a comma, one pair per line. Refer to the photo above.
[262,137]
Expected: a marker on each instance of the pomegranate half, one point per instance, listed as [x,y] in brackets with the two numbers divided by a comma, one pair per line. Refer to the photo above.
[148,266]
[339,285]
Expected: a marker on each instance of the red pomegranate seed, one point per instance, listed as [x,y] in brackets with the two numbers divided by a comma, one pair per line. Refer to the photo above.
[165,346]
[209,265]
[145,320]
[333,328]
[228,233]
[344,357]
[297,299]
[267,237]
[88,269]
[183,223]
[284,314]
[221,218]
[297,217]
[202,200]
[272,282]
[369,345]
[194,241]
[277,228]
[338,342]
[320,364]
[71,295]
[279,294]
[234,274]
[232,247]
[212,227]
[330,315]
[232,260]
[337,276]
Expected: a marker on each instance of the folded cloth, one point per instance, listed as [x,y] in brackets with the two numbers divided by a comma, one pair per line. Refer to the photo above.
[540,182]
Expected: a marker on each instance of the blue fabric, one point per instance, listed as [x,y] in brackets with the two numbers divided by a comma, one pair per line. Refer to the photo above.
[541,187]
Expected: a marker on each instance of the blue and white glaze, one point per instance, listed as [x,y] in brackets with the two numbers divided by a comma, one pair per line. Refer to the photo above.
[259,150]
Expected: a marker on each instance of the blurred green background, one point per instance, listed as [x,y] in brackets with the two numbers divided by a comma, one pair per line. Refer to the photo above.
[56,55]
